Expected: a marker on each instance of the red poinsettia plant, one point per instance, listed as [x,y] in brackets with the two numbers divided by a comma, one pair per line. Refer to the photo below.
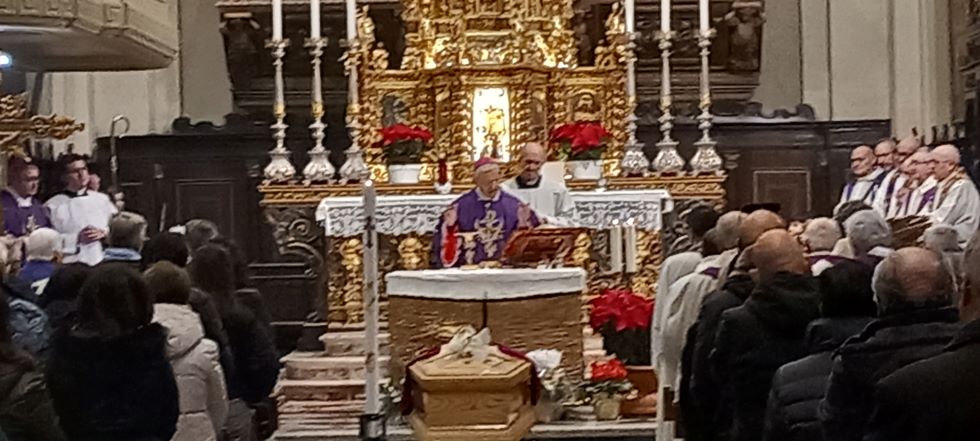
[581,140]
[404,144]
[623,318]
[608,378]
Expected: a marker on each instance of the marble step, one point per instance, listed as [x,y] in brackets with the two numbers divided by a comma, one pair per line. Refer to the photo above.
[337,410]
[351,343]
[321,390]
[317,366]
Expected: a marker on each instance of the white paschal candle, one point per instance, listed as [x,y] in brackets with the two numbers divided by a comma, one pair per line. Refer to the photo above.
[314,19]
[704,13]
[665,16]
[372,402]
[276,20]
[616,248]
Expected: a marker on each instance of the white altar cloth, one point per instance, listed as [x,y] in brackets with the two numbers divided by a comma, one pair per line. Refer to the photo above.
[485,284]
[397,215]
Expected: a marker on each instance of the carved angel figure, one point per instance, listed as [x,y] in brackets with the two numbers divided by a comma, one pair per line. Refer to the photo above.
[745,29]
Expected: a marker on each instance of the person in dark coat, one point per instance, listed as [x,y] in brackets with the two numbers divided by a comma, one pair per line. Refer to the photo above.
[914,291]
[256,363]
[846,307]
[168,247]
[701,399]
[26,412]
[109,375]
[937,399]
[60,296]
[767,331]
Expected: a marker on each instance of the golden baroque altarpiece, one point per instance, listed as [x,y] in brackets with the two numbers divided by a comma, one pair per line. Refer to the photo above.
[485,76]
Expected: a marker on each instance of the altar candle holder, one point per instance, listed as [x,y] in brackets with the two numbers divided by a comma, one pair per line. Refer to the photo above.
[706,160]
[319,169]
[280,169]
[354,168]
[667,159]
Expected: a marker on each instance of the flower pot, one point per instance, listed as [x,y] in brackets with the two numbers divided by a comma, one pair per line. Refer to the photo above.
[586,170]
[606,407]
[644,379]
[404,173]
[547,410]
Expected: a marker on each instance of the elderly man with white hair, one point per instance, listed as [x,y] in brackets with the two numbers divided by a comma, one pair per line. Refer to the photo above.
[885,198]
[819,238]
[549,198]
[957,202]
[920,190]
[870,236]
[485,215]
[867,177]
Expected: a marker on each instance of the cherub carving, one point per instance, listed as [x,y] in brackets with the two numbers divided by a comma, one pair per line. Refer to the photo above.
[745,30]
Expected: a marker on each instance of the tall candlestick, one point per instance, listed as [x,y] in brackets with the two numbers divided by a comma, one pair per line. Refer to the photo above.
[314,19]
[665,15]
[631,251]
[616,248]
[704,14]
[372,402]
[276,20]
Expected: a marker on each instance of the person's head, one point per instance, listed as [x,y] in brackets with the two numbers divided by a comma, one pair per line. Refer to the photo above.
[486,176]
[867,230]
[885,154]
[127,230]
[211,270]
[43,245]
[75,172]
[922,166]
[727,229]
[168,283]
[199,232]
[24,177]
[821,234]
[947,159]
[845,290]
[66,283]
[941,239]
[778,251]
[757,223]
[533,156]
[970,290]
[115,301]
[912,279]
[166,247]
[94,182]
[239,263]
[711,243]
[862,160]
[699,220]
[905,148]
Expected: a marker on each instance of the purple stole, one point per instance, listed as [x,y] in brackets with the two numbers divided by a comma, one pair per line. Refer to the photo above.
[927,199]
[890,190]
[712,271]
[871,190]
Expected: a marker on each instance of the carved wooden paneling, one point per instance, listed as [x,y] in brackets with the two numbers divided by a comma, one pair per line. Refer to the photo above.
[790,187]
[212,199]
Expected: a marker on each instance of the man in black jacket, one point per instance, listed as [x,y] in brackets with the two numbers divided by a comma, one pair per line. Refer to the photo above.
[936,399]
[767,331]
[846,307]
[915,321]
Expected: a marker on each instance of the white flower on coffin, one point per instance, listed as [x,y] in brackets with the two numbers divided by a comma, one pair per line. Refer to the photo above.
[545,360]
[467,343]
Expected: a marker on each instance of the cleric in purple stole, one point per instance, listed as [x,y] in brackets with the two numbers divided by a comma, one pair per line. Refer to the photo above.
[477,225]
[22,211]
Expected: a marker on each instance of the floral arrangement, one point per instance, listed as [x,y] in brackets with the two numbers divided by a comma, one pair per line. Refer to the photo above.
[623,318]
[608,379]
[581,140]
[404,144]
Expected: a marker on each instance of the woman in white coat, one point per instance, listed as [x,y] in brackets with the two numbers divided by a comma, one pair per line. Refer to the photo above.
[200,380]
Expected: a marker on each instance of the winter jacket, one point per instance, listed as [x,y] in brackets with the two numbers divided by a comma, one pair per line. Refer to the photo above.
[26,413]
[756,339]
[29,326]
[255,359]
[36,274]
[121,388]
[798,387]
[705,391]
[196,365]
[932,400]
[886,345]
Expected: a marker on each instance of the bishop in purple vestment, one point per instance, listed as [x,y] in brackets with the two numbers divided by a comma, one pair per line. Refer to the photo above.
[22,212]
[477,225]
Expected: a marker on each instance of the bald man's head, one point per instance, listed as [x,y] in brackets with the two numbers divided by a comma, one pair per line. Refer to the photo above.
[885,154]
[727,229]
[778,251]
[533,157]
[862,160]
[757,223]
[905,148]
[912,279]
[947,159]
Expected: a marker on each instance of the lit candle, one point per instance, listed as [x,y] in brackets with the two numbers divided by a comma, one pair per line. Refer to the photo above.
[616,248]
[351,20]
[314,19]
[665,16]
[704,10]
[370,199]
[630,238]
[276,20]
[630,13]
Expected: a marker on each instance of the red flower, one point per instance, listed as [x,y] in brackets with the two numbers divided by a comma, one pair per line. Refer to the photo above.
[564,132]
[623,308]
[613,370]
[589,135]
[402,132]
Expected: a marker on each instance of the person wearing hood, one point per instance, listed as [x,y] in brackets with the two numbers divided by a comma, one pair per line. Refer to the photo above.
[109,375]
[767,331]
[846,307]
[195,359]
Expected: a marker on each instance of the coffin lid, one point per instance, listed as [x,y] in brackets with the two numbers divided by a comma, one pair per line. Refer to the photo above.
[453,373]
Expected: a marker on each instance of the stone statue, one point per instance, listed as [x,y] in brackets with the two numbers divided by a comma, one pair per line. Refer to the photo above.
[745,30]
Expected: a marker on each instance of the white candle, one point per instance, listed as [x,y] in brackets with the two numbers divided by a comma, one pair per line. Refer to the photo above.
[616,248]
[276,20]
[665,16]
[351,20]
[314,19]
[370,198]
[704,10]
[630,15]
[372,402]
[631,251]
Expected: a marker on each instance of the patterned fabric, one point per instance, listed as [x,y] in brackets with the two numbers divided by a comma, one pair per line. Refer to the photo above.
[29,325]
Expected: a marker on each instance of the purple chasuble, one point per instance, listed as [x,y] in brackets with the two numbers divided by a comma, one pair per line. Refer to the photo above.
[481,228]
[20,221]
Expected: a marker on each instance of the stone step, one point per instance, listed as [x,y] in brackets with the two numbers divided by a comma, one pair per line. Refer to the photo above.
[324,409]
[321,390]
[317,366]
[351,343]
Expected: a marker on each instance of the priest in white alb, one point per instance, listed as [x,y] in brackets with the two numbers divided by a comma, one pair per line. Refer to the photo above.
[867,177]
[885,197]
[957,202]
[548,197]
[80,215]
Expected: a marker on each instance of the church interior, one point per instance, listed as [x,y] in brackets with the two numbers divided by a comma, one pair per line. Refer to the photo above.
[268,118]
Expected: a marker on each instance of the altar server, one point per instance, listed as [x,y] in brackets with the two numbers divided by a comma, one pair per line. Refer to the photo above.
[22,212]
[884,199]
[81,216]
[957,202]
[549,198]
[476,226]
[867,178]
